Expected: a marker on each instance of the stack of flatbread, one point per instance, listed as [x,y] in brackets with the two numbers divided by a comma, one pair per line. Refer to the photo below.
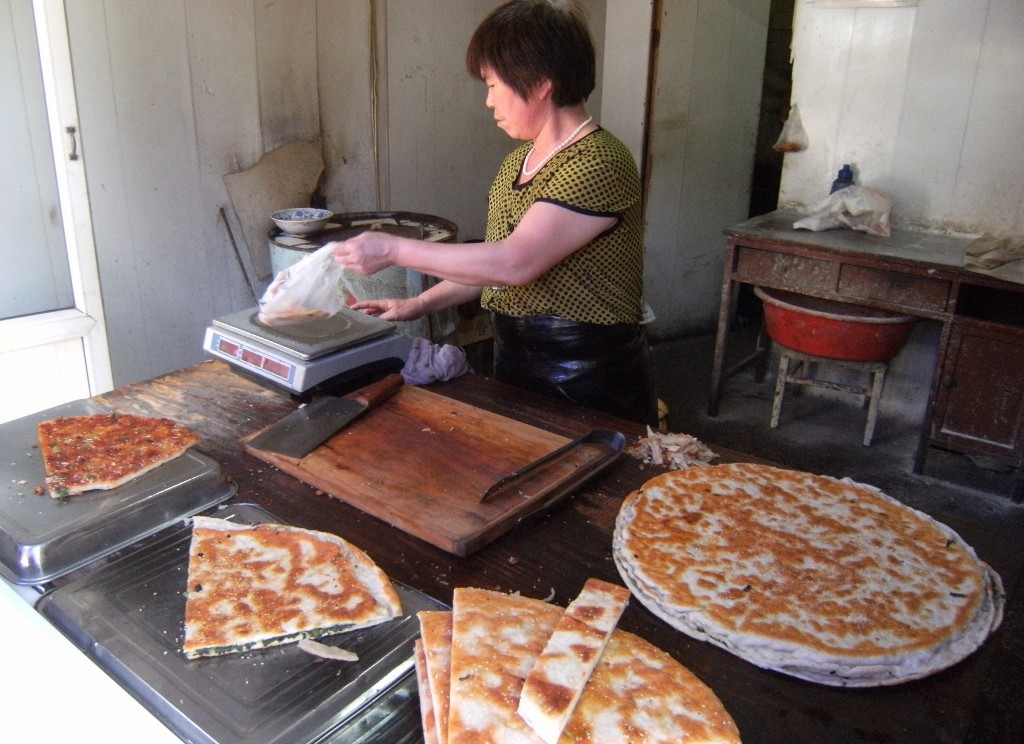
[823,579]
[507,668]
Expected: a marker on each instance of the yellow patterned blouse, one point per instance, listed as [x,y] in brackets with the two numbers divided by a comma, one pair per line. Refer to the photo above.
[602,282]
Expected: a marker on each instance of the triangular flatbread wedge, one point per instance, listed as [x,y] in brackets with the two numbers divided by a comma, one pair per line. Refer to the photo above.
[250,587]
[639,693]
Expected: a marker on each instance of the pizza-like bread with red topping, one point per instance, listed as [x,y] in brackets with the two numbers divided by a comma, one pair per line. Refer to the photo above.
[251,587]
[106,450]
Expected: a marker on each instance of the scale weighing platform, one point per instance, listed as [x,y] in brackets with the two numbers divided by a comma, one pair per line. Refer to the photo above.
[301,356]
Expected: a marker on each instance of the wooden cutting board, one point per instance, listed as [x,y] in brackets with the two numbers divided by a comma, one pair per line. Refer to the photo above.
[422,462]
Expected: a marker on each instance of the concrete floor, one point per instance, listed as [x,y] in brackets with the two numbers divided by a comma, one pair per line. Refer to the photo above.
[822,432]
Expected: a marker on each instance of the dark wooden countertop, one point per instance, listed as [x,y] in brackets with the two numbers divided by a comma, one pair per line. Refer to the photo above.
[974,701]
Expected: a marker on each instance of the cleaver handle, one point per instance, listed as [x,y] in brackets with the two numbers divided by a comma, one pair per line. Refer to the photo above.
[373,395]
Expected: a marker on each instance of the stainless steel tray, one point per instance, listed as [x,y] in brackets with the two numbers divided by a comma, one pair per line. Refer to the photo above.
[42,538]
[128,616]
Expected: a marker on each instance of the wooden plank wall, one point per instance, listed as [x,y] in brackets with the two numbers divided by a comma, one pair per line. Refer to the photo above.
[173,95]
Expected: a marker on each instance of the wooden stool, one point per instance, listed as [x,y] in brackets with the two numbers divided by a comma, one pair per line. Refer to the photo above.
[797,376]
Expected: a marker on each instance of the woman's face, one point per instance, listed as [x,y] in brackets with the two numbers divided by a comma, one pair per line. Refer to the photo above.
[518,118]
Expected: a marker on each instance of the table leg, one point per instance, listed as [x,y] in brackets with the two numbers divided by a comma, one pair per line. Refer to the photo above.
[725,310]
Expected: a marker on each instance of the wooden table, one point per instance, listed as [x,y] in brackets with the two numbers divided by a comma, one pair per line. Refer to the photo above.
[976,390]
[975,701]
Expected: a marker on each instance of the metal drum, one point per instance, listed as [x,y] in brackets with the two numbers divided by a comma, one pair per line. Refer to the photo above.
[395,281]
[286,250]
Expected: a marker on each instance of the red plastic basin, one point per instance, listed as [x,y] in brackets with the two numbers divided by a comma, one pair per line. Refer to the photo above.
[833,330]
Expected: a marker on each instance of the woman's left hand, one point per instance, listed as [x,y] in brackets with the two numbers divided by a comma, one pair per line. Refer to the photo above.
[366,253]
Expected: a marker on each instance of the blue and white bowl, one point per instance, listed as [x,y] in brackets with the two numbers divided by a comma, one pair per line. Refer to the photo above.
[301,220]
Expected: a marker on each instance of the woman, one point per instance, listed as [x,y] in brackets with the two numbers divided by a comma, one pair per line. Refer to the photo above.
[561,267]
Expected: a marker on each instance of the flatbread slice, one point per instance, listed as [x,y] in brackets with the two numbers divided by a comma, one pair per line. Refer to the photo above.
[496,638]
[251,587]
[427,718]
[636,694]
[106,450]
[823,579]
[556,681]
[639,693]
[436,634]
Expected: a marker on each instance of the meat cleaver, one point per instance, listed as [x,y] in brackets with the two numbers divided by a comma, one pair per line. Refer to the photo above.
[306,428]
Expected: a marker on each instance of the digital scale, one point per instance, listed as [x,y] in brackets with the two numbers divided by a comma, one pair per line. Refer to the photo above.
[313,354]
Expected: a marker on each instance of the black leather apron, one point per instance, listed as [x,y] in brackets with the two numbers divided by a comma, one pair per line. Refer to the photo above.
[603,367]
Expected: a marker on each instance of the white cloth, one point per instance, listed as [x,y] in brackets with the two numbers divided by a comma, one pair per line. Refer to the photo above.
[856,207]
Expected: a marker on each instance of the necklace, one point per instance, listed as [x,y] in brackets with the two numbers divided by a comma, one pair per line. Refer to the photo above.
[530,171]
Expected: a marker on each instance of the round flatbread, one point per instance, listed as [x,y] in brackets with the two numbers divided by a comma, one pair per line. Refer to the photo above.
[826,580]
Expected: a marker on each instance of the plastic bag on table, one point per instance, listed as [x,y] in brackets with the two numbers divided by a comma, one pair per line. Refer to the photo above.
[307,290]
[857,207]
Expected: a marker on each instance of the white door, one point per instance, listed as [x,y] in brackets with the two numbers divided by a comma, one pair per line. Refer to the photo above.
[53,344]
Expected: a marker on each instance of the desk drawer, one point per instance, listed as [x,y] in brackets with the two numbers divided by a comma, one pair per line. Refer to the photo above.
[786,269]
[910,291]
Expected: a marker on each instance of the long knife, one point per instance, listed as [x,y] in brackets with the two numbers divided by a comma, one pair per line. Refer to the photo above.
[306,428]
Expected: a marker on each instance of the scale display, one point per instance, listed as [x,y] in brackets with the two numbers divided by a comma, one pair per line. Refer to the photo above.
[250,357]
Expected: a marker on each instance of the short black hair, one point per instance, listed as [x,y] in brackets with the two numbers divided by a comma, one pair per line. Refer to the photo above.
[526,41]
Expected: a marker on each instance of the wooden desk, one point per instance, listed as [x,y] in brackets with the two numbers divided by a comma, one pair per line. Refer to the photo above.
[975,701]
[976,398]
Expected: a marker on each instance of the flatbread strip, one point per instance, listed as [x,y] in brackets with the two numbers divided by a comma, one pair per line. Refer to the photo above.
[106,450]
[427,717]
[251,587]
[826,580]
[436,634]
[557,680]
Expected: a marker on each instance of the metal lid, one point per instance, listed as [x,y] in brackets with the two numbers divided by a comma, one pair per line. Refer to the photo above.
[345,226]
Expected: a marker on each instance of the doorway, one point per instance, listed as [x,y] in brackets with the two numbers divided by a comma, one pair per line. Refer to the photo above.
[775,96]
[53,343]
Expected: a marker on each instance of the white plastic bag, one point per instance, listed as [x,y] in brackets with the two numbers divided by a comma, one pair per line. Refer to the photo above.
[857,207]
[793,137]
[307,290]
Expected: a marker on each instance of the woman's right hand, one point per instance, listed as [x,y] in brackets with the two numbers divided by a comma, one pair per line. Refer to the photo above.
[366,253]
[393,310]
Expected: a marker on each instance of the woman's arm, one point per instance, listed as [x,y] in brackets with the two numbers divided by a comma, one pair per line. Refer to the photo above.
[546,235]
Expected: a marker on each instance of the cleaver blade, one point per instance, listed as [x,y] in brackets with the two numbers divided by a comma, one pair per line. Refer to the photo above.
[306,428]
